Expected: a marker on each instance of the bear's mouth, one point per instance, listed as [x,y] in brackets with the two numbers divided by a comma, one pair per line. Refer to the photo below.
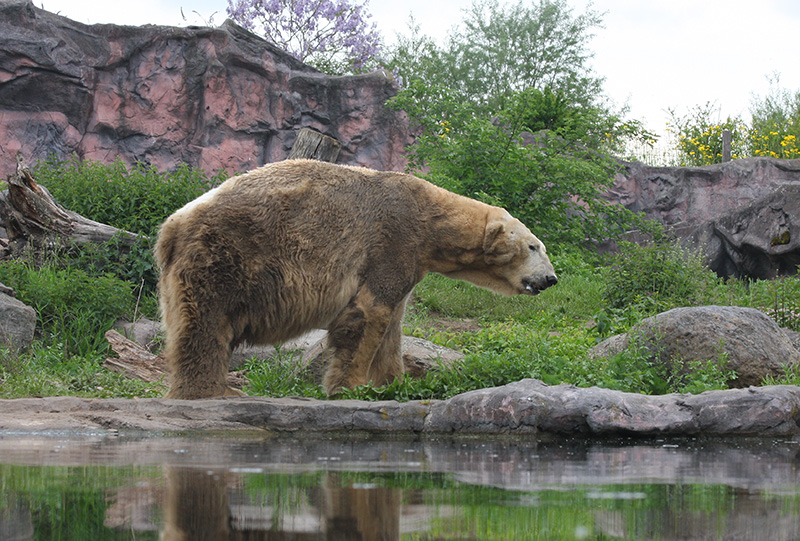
[530,287]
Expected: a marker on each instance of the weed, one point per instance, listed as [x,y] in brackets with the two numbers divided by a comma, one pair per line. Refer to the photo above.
[660,274]
[135,199]
[791,376]
[280,375]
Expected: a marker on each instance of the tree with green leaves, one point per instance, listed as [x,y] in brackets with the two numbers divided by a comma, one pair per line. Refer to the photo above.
[509,112]
[499,51]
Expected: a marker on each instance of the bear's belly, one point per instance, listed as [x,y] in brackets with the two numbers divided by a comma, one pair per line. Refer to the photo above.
[302,309]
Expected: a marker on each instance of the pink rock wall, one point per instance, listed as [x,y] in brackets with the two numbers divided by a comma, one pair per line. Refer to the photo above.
[214,98]
[684,198]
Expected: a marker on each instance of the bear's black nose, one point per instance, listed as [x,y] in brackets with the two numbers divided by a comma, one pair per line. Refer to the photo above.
[552,280]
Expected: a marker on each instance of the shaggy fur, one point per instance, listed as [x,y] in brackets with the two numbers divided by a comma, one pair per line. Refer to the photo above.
[302,244]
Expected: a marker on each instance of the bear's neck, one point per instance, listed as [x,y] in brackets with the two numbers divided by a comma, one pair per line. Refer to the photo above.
[455,231]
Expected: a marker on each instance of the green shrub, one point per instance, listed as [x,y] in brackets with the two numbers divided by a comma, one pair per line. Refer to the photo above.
[778,298]
[73,308]
[281,375]
[136,199]
[44,370]
[133,263]
[656,276]
[699,136]
[776,123]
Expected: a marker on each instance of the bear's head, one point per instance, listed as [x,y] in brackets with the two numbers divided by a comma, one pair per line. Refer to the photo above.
[516,261]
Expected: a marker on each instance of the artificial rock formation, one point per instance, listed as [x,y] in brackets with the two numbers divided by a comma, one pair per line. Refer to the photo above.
[741,213]
[213,98]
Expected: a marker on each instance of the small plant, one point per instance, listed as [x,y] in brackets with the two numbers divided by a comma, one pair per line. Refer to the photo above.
[133,263]
[43,370]
[281,375]
[791,376]
[136,199]
[779,299]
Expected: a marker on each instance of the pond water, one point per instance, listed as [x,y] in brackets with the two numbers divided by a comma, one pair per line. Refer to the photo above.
[96,487]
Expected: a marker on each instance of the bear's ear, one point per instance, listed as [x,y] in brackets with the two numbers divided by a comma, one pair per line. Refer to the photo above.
[496,247]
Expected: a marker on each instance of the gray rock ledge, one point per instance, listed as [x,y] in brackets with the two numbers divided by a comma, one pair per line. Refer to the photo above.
[527,407]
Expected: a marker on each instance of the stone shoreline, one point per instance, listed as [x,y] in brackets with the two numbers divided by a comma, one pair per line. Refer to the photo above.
[527,407]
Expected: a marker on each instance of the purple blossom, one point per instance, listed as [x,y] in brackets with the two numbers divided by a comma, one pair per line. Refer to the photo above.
[329,34]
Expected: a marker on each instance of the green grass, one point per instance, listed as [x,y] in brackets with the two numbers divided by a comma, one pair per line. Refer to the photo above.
[45,371]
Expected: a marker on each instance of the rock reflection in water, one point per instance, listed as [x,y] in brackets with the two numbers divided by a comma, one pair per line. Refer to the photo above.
[328,489]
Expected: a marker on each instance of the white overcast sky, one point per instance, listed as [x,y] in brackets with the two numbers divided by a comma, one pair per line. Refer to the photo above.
[654,54]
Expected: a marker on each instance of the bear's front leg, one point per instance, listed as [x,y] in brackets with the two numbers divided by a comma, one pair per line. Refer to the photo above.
[388,362]
[356,335]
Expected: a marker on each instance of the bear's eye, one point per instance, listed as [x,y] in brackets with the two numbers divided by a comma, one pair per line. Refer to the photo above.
[533,247]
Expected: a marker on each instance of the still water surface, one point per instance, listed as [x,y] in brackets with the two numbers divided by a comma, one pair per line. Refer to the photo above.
[92,487]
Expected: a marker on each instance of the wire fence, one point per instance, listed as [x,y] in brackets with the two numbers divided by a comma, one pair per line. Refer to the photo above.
[662,154]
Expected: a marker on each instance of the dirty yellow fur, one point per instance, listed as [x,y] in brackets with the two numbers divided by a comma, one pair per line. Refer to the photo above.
[302,244]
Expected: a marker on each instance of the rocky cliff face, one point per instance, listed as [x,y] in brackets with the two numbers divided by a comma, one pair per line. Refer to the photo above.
[744,214]
[214,98]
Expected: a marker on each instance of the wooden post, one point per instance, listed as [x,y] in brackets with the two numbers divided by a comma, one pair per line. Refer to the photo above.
[726,145]
[315,146]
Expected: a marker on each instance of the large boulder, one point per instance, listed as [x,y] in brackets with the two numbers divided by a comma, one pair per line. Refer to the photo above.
[17,323]
[213,98]
[752,343]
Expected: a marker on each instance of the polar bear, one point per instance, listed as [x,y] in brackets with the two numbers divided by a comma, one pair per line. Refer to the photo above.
[303,244]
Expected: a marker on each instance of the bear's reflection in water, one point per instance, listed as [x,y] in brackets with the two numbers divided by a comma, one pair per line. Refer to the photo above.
[201,504]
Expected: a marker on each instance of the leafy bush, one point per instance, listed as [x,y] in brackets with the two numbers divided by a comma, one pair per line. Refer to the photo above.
[550,184]
[778,298]
[136,200]
[775,126]
[73,308]
[656,276]
[44,370]
[699,136]
[133,263]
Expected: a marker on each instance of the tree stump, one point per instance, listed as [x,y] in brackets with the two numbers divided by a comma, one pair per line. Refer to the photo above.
[32,216]
[315,146]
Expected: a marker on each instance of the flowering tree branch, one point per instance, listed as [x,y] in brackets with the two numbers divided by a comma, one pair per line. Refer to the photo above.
[331,35]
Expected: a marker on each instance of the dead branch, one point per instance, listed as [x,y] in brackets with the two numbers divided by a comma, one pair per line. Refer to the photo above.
[32,216]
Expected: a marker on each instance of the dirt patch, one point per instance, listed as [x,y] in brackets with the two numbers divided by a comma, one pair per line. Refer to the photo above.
[457,325]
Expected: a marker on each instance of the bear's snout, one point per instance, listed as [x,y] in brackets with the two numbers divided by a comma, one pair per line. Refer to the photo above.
[534,287]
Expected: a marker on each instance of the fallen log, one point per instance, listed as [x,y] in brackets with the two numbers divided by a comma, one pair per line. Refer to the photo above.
[135,362]
[33,217]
